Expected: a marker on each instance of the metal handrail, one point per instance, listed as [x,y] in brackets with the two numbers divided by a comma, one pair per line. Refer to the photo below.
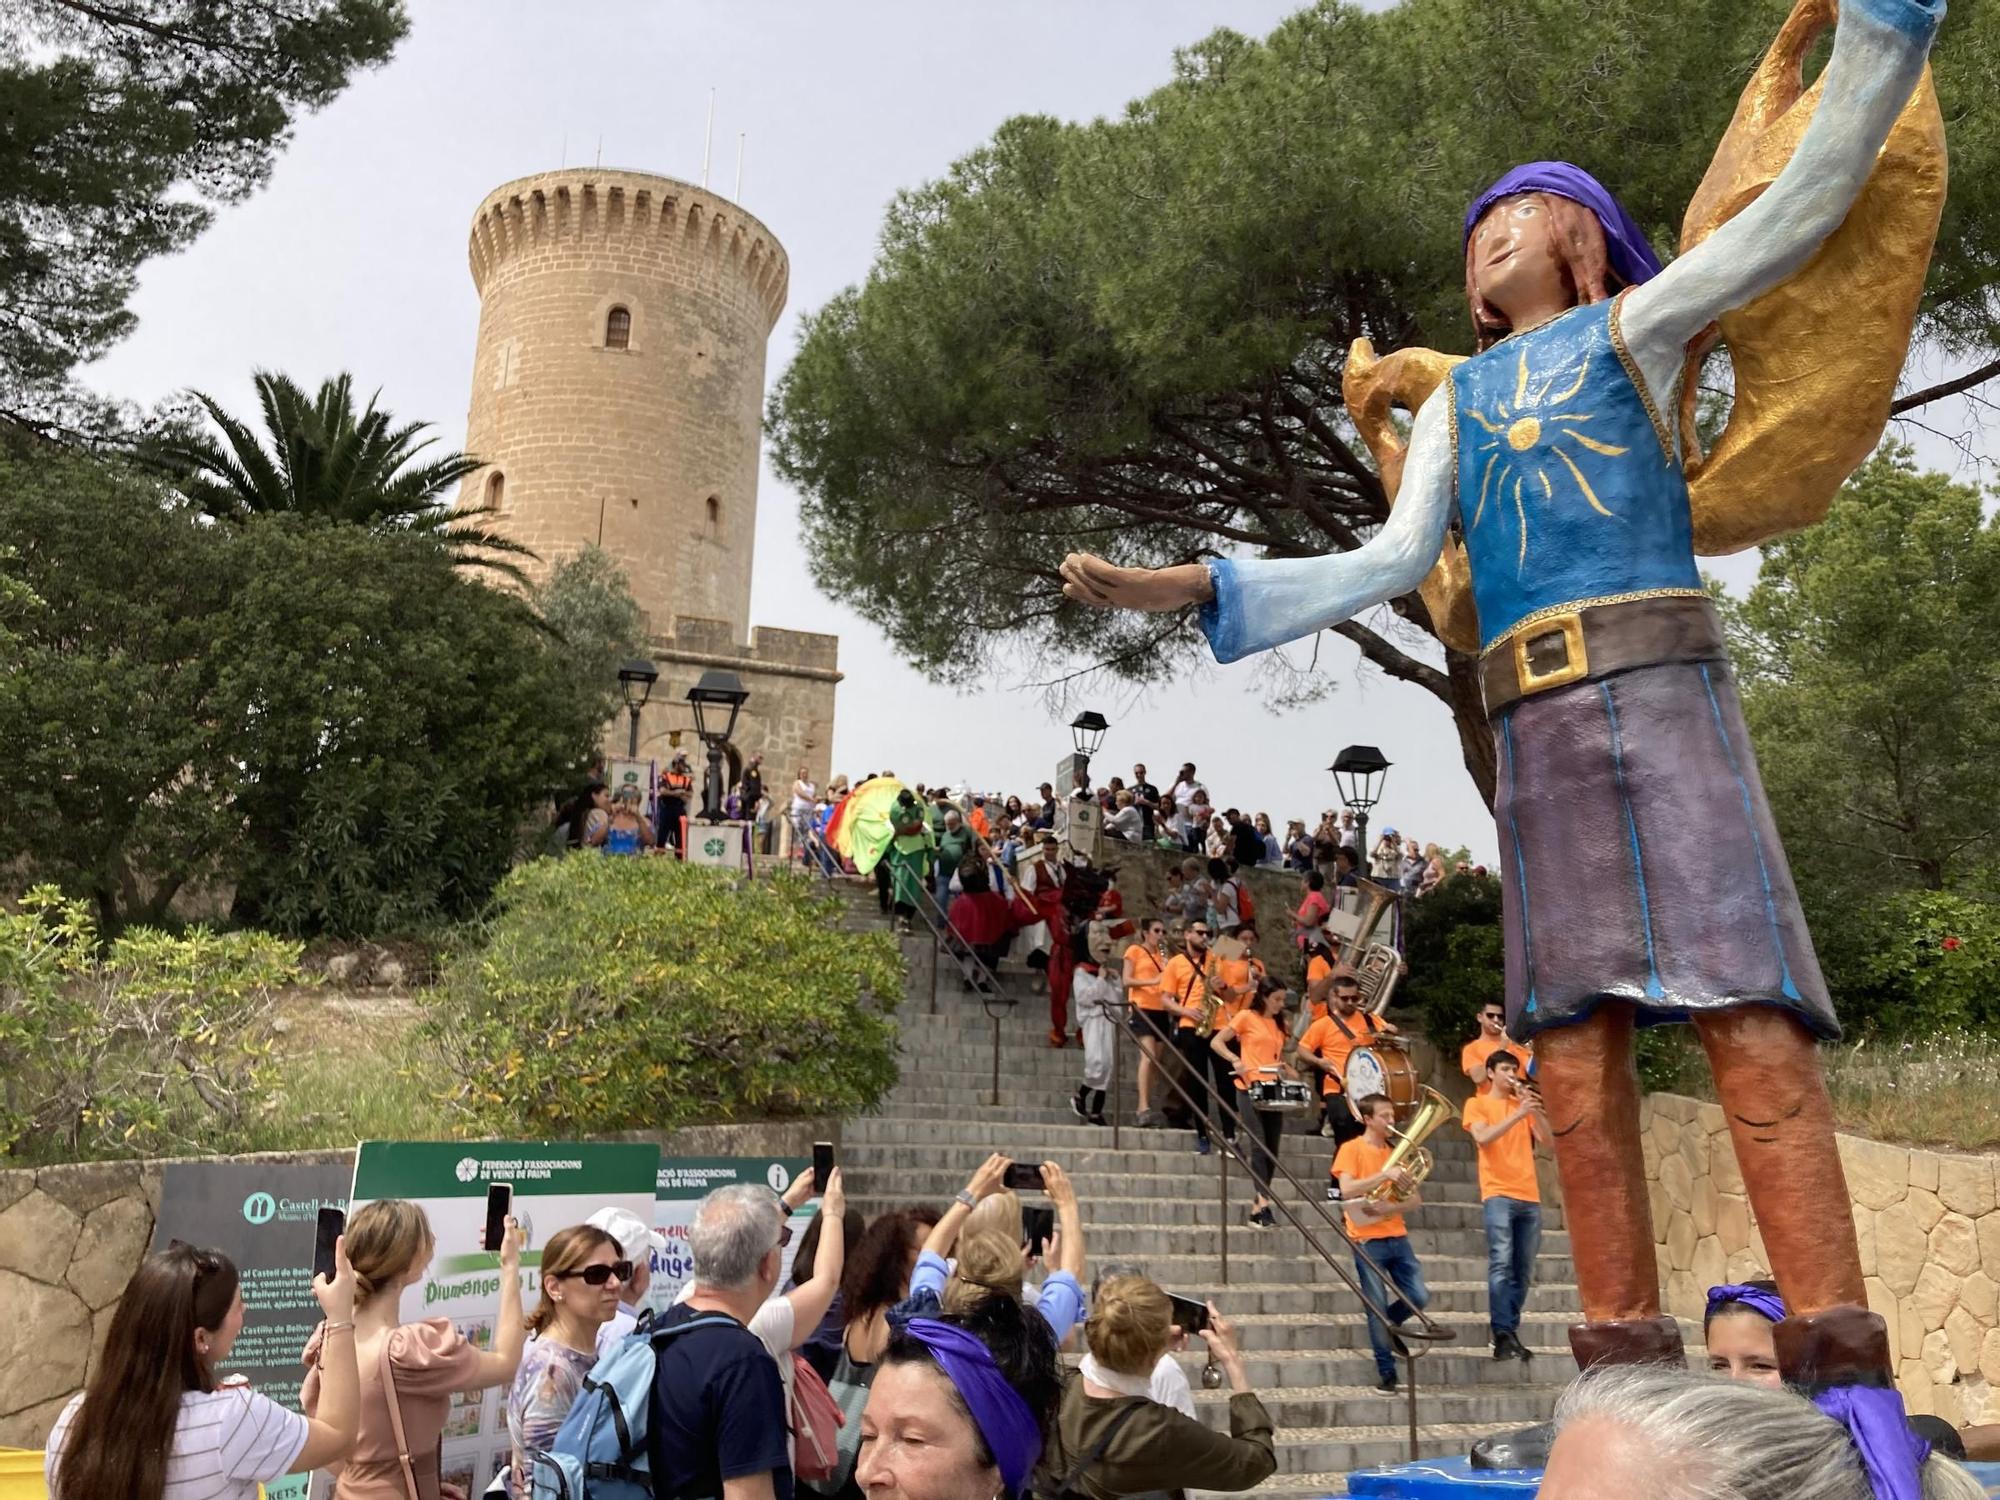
[1415,1341]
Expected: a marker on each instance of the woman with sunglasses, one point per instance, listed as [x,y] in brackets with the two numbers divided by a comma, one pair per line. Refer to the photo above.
[583,1272]
[155,1423]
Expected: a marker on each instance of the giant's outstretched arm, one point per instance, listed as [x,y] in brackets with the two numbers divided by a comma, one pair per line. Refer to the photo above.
[1263,603]
[1878,57]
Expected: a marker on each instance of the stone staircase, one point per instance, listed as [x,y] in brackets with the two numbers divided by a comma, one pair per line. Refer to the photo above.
[1155,1206]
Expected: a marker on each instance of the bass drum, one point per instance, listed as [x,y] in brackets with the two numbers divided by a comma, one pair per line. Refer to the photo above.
[1382,1070]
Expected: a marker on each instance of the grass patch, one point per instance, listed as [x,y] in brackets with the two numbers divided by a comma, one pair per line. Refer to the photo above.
[351,1070]
[1941,1090]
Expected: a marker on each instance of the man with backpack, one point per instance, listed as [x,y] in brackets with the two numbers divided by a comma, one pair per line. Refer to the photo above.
[718,1416]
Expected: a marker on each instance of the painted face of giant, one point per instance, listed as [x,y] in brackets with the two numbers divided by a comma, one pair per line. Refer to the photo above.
[1513,257]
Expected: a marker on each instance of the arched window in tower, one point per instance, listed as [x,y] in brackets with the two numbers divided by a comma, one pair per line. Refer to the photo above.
[496,491]
[715,515]
[618,328]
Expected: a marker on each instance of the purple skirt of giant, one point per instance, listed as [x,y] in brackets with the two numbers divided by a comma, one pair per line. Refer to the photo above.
[1639,859]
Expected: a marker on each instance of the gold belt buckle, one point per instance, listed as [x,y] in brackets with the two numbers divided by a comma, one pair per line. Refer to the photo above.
[1550,653]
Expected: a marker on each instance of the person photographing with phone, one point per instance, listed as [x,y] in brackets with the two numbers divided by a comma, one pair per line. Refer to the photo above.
[984,1225]
[409,1371]
[1112,1439]
[1382,1252]
[156,1422]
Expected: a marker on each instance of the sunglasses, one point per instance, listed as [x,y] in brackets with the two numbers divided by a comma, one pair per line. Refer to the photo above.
[599,1275]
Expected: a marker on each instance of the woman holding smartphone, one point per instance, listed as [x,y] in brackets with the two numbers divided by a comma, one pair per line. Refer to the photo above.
[155,1422]
[410,1369]
[1149,1447]
[993,1252]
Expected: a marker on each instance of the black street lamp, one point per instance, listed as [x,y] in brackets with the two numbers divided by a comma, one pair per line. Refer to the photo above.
[637,679]
[1359,771]
[718,689]
[1086,732]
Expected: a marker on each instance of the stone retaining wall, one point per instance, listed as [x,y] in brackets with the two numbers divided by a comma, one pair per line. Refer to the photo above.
[1928,1224]
[71,1236]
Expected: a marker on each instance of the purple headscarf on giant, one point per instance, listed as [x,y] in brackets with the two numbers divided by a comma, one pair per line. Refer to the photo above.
[1631,257]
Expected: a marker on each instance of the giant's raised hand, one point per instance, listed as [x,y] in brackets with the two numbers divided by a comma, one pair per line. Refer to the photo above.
[1093,581]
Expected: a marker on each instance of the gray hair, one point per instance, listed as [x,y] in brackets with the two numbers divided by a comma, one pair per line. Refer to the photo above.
[734,1229]
[1731,1440]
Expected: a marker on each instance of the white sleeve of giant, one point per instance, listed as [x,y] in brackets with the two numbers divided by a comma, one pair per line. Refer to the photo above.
[1264,602]
[1878,58]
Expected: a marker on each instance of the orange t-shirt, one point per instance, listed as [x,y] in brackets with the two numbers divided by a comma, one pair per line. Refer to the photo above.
[1358,1158]
[1185,983]
[1506,1163]
[1475,1052]
[1145,965]
[1260,1041]
[1324,1040]
[1239,974]
[1317,968]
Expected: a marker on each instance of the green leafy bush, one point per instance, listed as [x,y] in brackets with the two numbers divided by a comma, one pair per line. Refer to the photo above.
[1453,941]
[618,994]
[159,1043]
[1921,962]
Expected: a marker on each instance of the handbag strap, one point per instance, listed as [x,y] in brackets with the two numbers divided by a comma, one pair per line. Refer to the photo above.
[396,1418]
[1097,1448]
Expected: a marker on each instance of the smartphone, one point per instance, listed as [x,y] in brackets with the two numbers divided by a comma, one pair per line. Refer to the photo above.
[822,1166]
[332,1225]
[1190,1313]
[1039,1223]
[1023,1177]
[499,1204]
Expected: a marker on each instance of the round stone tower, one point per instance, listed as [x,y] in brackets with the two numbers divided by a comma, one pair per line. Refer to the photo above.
[617,390]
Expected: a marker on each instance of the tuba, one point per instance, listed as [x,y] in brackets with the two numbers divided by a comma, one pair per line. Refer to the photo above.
[1432,1110]
[1375,964]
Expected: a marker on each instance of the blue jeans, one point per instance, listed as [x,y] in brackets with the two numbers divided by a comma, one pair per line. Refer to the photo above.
[1513,1238]
[1393,1260]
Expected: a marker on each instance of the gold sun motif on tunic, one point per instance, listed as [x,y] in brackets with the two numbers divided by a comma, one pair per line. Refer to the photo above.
[1527,438]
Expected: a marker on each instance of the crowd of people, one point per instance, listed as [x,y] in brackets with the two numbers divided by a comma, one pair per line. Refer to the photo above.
[917,1356]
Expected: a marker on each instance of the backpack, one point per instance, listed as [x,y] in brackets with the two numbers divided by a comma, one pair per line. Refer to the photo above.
[599,1453]
[848,1391]
[816,1423]
[1246,905]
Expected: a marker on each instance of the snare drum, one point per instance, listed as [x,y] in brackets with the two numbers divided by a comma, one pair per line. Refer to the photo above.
[1382,1069]
[1280,1093]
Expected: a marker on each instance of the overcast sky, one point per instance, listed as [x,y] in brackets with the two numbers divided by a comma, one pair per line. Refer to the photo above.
[353,259]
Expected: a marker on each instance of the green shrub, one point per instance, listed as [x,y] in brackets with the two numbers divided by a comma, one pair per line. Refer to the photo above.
[1453,941]
[1922,962]
[618,994]
[159,1043]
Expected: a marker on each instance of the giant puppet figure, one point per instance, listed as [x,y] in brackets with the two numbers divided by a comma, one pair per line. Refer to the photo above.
[1550,505]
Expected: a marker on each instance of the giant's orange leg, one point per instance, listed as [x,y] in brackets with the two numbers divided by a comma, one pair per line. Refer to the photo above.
[1767,1075]
[1592,1091]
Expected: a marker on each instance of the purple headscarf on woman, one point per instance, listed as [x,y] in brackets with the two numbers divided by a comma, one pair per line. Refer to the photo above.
[1631,257]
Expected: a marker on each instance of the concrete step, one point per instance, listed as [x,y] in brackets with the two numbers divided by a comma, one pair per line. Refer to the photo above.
[1458,1224]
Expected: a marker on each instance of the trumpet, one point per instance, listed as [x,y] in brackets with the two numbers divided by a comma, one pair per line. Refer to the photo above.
[1432,1110]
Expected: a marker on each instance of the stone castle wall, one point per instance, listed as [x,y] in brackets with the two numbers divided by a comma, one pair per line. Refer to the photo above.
[1928,1224]
[650,450]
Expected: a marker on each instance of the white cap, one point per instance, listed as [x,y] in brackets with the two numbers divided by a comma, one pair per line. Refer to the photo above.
[625,1227]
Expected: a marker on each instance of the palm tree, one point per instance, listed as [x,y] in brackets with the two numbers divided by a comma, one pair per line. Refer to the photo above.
[326,459]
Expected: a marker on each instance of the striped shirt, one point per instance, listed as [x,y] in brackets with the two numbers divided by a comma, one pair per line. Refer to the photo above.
[226,1443]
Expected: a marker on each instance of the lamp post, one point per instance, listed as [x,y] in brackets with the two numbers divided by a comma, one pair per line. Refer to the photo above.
[1086,732]
[718,690]
[1359,771]
[637,679]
